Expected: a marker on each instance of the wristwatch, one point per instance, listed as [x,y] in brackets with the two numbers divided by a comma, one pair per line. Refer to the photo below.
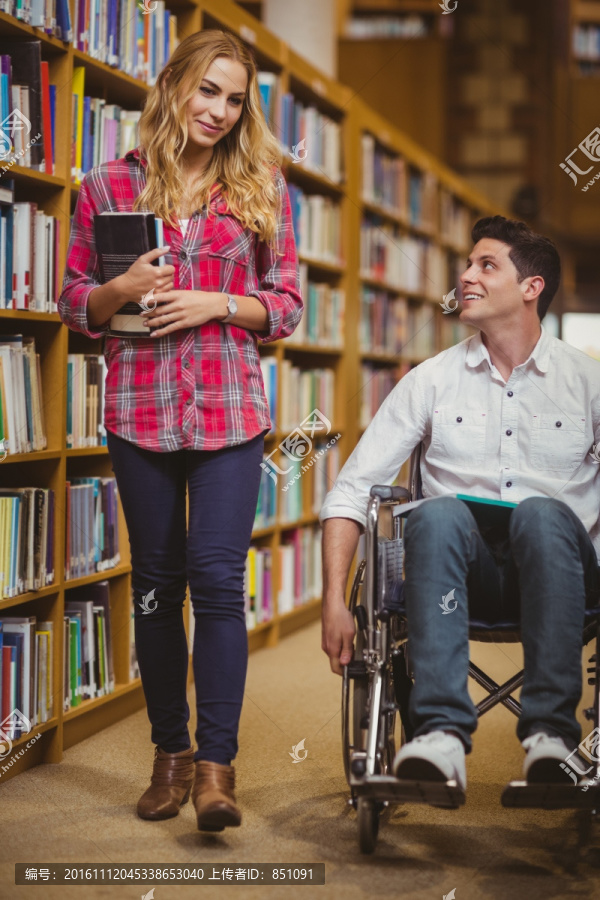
[232,308]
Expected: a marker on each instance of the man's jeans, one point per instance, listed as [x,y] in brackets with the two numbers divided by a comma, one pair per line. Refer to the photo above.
[543,574]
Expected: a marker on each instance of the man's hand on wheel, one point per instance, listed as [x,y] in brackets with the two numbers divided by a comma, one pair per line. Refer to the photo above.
[337,634]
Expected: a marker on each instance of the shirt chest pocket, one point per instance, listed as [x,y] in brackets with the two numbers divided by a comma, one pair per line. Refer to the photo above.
[458,436]
[230,254]
[557,442]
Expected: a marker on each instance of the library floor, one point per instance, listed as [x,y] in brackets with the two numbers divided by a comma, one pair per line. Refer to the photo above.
[83,810]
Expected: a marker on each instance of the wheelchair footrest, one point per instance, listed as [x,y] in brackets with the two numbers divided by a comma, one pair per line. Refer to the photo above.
[551,796]
[446,794]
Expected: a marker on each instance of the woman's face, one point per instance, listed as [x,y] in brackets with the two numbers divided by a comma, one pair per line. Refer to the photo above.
[217,104]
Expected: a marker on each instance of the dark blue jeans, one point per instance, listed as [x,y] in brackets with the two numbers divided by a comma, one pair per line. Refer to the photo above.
[210,555]
[543,574]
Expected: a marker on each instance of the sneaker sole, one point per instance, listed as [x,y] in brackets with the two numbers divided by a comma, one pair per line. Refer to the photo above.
[547,771]
[414,769]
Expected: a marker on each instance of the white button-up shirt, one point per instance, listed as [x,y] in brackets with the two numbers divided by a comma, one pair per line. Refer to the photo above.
[533,435]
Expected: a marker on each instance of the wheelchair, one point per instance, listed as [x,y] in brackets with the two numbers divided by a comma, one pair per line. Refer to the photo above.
[376,686]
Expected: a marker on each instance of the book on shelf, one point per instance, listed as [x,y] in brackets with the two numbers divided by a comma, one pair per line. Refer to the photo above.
[258,589]
[23,73]
[53,16]
[86,377]
[101,131]
[88,670]
[302,391]
[266,506]
[29,248]
[384,177]
[322,322]
[313,139]
[26,653]
[26,539]
[22,419]
[92,526]
[299,568]
[122,237]
[317,226]
[268,368]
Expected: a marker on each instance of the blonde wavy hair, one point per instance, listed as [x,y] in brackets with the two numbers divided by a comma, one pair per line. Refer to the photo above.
[242,161]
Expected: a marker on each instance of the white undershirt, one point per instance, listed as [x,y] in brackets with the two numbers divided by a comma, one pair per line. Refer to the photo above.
[183,223]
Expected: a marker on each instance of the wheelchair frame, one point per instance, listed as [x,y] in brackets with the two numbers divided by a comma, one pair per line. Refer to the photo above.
[376,688]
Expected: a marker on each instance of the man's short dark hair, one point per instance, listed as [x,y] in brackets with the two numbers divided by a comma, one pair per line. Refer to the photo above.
[531,254]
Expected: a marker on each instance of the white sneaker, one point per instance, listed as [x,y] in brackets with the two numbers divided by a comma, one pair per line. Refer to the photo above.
[436,756]
[545,754]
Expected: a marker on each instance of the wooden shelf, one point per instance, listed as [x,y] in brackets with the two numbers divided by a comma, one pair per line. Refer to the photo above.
[57,192]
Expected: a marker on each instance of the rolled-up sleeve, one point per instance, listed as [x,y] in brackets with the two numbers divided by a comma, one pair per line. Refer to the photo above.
[82,274]
[278,274]
[398,426]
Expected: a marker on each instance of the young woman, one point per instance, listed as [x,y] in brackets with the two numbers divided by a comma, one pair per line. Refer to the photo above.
[185,407]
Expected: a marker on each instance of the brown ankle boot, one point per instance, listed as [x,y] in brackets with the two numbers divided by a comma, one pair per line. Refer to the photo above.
[171,783]
[213,796]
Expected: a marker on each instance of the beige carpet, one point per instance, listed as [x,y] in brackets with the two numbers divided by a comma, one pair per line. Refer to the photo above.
[83,810]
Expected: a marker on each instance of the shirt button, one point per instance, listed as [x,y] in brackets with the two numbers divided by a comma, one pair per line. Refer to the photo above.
[459,418]
[188,402]
[186,364]
[509,432]
[509,484]
[182,254]
[509,393]
[558,424]
[195,216]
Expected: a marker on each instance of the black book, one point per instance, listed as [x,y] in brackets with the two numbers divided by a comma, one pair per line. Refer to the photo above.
[121,237]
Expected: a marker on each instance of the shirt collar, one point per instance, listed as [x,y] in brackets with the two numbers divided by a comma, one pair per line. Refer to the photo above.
[477,352]
[216,198]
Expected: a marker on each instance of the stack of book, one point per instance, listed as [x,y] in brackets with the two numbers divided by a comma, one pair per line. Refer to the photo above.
[313,139]
[26,539]
[88,657]
[383,324]
[422,200]
[26,653]
[266,507]
[376,385]
[268,367]
[455,222]
[92,535]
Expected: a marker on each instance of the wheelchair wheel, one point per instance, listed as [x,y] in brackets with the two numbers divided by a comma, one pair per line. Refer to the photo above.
[368,824]
[354,690]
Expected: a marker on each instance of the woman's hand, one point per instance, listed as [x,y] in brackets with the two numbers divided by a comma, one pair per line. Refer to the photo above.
[183,309]
[142,276]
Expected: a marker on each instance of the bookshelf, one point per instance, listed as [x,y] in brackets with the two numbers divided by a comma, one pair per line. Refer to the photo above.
[324,361]
[585,37]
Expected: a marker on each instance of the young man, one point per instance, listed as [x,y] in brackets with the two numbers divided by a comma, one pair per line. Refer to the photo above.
[513,414]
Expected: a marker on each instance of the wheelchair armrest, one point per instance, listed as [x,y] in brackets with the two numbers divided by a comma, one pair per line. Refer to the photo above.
[388,493]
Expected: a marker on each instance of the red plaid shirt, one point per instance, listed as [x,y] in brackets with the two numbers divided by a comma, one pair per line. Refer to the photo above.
[195,388]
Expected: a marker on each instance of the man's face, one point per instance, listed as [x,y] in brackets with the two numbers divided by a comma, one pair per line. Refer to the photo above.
[489,286]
